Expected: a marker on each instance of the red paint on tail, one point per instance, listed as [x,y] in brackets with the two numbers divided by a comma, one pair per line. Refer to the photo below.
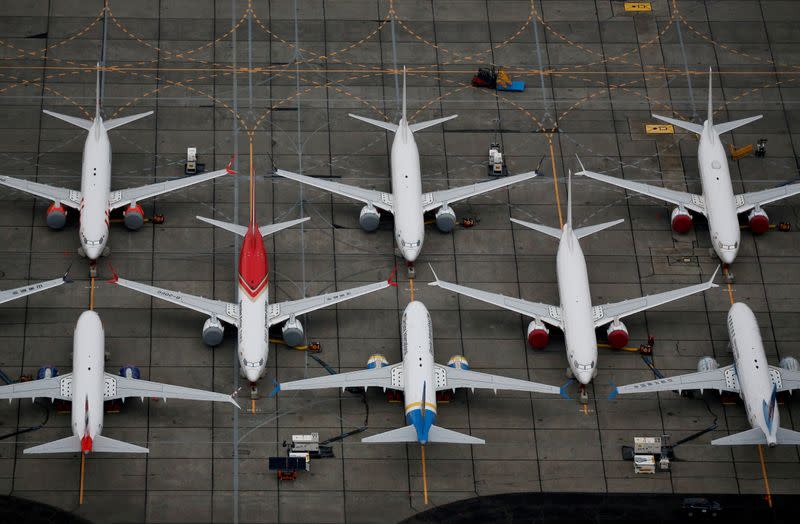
[86,444]
[253,265]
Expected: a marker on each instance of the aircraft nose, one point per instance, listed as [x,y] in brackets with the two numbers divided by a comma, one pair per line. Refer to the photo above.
[727,256]
[253,374]
[410,253]
[92,252]
[584,377]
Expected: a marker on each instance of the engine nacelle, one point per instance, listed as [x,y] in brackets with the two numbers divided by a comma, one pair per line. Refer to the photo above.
[56,216]
[707,364]
[134,217]
[538,334]
[681,220]
[47,372]
[130,372]
[369,218]
[292,332]
[789,364]
[377,361]
[458,362]
[617,335]
[213,330]
[759,221]
[445,219]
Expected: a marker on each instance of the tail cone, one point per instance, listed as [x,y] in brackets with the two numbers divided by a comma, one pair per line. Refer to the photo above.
[86,444]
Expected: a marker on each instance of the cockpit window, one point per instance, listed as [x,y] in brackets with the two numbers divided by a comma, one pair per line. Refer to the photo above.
[584,367]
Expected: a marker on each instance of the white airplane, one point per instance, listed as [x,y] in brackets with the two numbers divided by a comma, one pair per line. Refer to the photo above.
[576,316]
[750,376]
[419,377]
[717,201]
[406,202]
[95,200]
[252,314]
[88,386]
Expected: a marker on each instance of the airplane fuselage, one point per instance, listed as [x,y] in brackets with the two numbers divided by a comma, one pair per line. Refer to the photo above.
[95,188]
[718,196]
[752,370]
[418,369]
[253,297]
[88,363]
[409,227]
[576,307]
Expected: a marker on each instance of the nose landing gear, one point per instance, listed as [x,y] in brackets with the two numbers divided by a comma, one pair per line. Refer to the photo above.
[412,271]
[583,397]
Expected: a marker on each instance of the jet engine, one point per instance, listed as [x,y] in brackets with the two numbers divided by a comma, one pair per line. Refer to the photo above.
[213,331]
[458,362]
[617,335]
[56,216]
[538,334]
[707,364]
[759,221]
[134,217]
[681,220]
[445,219]
[789,364]
[369,218]
[130,372]
[47,372]
[292,332]
[377,361]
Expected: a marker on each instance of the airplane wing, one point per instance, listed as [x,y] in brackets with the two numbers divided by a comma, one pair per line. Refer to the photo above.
[679,198]
[608,312]
[59,387]
[545,312]
[378,199]
[785,379]
[390,377]
[277,313]
[436,199]
[124,387]
[721,379]
[30,289]
[68,197]
[124,197]
[224,311]
[463,378]
[747,201]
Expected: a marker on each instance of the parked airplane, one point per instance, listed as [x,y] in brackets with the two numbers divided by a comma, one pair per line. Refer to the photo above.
[717,201]
[406,202]
[88,386]
[252,314]
[750,376]
[419,377]
[576,316]
[95,200]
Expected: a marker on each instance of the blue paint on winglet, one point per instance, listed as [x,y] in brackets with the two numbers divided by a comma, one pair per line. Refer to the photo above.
[614,392]
[563,390]
[276,389]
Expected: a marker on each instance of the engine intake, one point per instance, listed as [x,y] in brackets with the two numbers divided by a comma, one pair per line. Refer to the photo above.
[377,361]
[46,372]
[134,217]
[213,330]
[130,372]
[538,334]
[707,364]
[458,362]
[445,219]
[56,216]
[789,364]
[293,333]
[369,218]
[759,221]
[681,220]
[617,335]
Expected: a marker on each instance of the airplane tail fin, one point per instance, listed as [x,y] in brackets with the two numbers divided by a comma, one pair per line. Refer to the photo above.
[569,198]
[405,434]
[769,409]
[389,126]
[591,230]
[733,124]
[547,230]
[788,437]
[404,94]
[109,445]
[745,438]
[710,115]
[117,122]
[689,126]
[418,126]
[72,444]
[241,230]
[75,121]
[439,434]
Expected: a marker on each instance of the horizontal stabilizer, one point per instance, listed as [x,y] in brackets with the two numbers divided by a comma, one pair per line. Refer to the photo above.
[733,124]
[406,434]
[109,445]
[117,122]
[237,229]
[590,230]
[547,230]
[65,445]
[439,434]
[379,123]
[280,226]
[419,126]
[745,438]
[788,437]
[694,128]
[75,121]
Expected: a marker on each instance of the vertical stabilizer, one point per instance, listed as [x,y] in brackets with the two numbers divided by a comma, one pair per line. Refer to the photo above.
[569,198]
[97,90]
[404,94]
[710,116]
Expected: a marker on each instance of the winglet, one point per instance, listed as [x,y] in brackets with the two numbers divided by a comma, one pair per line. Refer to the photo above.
[115,277]
[392,276]
[435,276]
[614,392]
[714,276]
[563,390]
[66,278]
[229,167]
[276,389]
[580,164]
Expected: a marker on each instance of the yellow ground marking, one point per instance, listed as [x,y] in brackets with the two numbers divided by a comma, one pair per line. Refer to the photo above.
[411,288]
[555,180]
[764,474]
[91,294]
[638,7]
[659,129]
[424,476]
[83,471]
